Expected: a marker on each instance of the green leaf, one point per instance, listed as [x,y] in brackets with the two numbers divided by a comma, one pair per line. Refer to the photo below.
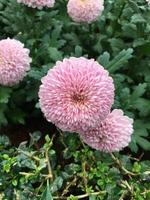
[134,6]
[54,54]
[136,167]
[138,91]
[47,138]
[47,193]
[18,116]
[92,197]
[145,144]
[141,127]
[78,51]
[35,74]
[104,59]
[133,145]
[3,119]
[137,18]
[57,184]
[119,61]
[143,105]
[5,94]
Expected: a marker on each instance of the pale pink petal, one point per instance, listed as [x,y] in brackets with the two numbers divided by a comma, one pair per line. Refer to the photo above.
[38,3]
[14,62]
[112,134]
[76,94]
[85,10]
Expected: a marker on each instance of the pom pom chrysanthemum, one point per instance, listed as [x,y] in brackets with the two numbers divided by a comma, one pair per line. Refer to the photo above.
[14,62]
[85,10]
[76,94]
[38,3]
[112,134]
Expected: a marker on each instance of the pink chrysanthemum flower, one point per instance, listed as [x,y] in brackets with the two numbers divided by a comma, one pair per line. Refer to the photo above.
[38,3]
[112,134]
[85,10]
[14,62]
[76,94]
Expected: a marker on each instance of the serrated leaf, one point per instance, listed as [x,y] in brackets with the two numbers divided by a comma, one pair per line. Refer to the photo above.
[138,91]
[56,32]
[54,54]
[104,59]
[120,59]
[35,74]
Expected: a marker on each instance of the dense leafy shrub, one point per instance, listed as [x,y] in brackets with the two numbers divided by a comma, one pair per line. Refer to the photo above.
[29,174]
[120,41]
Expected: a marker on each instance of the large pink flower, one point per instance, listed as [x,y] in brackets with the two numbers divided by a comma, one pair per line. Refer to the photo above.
[38,3]
[148,2]
[112,134]
[14,61]
[85,10]
[76,94]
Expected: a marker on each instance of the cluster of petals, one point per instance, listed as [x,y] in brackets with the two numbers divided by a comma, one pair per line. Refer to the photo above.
[148,2]
[14,62]
[112,134]
[76,94]
[38,3]
[85,10]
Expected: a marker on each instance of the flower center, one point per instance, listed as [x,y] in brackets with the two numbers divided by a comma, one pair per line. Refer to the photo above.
[82,1]
[78,98]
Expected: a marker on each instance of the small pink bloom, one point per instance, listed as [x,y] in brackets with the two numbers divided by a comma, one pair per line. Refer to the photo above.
[76,94]
[85,10]
[38,3]
[112,134]
[14,62]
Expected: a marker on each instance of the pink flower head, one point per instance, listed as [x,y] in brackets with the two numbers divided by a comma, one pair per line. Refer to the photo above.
[14,62]
[148,2]
[38,3]
[85,10]
[76,94]
[112,134]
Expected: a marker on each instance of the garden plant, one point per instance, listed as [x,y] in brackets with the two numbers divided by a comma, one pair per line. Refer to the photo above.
[74,99]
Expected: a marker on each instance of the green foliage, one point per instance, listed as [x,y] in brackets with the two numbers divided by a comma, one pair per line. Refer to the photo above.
[64,167]
[119,40]
[27,173]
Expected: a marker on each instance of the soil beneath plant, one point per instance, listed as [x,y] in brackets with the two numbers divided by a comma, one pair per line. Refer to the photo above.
[19,133]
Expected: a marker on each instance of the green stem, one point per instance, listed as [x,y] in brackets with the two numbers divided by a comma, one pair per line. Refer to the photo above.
[50,174]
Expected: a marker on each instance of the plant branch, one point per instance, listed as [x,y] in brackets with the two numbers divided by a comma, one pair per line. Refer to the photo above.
[117,161]
[29,155]
[50,174]
[83,195]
